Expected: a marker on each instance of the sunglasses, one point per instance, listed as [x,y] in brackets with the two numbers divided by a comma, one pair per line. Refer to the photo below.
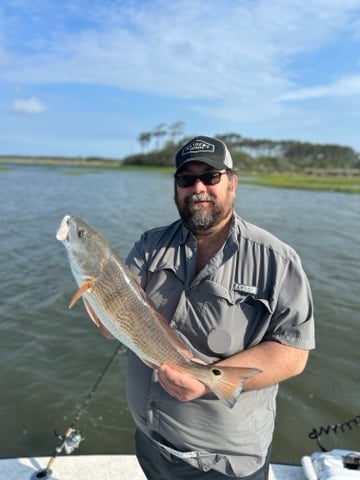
[207,178]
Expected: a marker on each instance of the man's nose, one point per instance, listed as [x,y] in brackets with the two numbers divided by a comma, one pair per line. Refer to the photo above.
[199,186]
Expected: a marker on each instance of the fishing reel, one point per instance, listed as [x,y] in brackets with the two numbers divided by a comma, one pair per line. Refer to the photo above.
[71,440]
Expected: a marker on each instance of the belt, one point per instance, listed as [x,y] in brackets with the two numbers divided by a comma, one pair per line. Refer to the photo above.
[174,455]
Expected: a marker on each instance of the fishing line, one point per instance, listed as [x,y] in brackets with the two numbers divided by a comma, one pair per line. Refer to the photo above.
[315,434]
[72,437]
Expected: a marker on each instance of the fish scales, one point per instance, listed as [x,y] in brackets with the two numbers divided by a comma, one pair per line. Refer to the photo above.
[114,299]
[132,319]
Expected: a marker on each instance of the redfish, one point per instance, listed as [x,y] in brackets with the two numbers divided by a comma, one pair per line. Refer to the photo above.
[114,299]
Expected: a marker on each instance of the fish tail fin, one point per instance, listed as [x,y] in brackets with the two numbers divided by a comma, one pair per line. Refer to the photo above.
[227,382]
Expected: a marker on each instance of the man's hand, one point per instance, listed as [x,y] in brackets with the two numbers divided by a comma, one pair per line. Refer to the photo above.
[180,385]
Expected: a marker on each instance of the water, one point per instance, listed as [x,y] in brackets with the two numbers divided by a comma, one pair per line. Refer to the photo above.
[51,356]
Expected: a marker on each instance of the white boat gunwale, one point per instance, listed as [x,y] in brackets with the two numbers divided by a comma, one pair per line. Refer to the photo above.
[103,467]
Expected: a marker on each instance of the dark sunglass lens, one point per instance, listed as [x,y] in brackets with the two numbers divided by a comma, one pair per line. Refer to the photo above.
[207,178]
[185,181]
[212,178]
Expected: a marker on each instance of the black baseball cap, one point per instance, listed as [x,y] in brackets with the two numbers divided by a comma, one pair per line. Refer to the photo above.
[208,150]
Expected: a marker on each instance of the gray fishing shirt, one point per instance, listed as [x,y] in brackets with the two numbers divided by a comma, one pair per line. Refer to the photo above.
[253,290]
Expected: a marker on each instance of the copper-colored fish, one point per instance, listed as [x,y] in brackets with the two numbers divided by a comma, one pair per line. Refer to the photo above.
[113,298]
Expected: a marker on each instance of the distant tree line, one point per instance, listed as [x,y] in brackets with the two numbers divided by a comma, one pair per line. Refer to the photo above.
[258,155]
[173,133]
[289,155]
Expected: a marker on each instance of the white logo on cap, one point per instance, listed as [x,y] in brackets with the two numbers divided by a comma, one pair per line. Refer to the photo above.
[198,146]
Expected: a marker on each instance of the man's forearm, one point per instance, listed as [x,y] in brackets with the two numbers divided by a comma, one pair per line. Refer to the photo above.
[276,361]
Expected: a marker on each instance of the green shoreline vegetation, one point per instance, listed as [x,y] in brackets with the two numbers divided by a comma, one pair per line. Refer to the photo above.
[307,182]
[342,181]
[279,164]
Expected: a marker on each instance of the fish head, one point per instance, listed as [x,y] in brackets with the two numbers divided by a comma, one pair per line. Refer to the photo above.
[86,248]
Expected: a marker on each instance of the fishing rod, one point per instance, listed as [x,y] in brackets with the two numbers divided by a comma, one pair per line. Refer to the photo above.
[72,436]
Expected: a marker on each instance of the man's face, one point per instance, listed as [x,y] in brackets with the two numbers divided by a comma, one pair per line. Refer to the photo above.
[203,207]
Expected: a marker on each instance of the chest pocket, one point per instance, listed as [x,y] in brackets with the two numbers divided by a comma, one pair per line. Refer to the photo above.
[224,322]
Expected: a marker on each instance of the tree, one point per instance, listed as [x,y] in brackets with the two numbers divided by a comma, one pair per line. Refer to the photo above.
[176,131]
[144,139]
[159,131]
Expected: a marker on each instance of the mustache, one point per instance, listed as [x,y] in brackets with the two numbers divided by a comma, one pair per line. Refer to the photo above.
[198,197]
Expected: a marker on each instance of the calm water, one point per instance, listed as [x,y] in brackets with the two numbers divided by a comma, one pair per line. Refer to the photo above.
[50,356]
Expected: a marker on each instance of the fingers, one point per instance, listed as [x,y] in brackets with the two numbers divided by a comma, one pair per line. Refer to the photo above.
[180,385]
[170,386]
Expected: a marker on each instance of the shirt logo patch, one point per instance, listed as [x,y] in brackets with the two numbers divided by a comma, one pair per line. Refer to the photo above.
[238,287]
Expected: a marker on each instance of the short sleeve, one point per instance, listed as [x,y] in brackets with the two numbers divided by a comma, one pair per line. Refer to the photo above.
[293,317]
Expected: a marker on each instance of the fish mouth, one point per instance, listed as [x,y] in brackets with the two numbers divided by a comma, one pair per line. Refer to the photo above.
[63,231]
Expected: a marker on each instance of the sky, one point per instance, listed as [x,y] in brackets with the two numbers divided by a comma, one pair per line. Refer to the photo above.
[87,77]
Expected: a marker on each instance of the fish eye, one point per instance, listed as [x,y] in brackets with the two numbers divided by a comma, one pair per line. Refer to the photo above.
[81,233]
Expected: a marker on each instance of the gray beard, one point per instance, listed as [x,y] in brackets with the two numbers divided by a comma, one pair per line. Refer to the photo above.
[196,220]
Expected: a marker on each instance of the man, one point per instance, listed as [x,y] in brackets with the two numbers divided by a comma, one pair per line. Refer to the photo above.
[237,296]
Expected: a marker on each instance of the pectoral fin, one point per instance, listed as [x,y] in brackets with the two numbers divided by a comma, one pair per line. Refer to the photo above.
[80,291]
[96,321]
[91,313]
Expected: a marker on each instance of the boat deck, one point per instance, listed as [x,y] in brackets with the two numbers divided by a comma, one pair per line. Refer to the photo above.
[101,467]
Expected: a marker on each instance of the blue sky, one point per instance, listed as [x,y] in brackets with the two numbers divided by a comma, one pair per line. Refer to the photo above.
[85,77]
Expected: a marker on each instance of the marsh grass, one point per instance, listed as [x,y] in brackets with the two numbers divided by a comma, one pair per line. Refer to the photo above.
[305,182]
[81,171]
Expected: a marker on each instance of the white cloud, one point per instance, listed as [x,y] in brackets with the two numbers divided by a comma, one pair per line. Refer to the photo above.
[30,106]
[348,85]
[181,49]
[241,64]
